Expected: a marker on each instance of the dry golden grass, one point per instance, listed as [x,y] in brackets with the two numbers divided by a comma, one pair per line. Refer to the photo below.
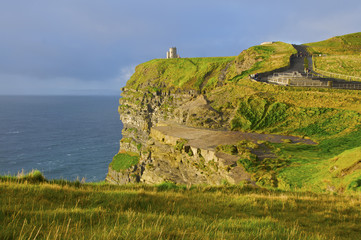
[167,211]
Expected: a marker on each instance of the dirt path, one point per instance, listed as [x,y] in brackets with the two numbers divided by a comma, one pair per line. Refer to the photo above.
[210,139]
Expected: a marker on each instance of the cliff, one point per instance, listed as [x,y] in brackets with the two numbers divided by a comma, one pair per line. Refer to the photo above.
[172,93]
[164,156]
[203,121]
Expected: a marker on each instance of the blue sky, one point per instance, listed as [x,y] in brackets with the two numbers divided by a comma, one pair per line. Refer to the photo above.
[92,46]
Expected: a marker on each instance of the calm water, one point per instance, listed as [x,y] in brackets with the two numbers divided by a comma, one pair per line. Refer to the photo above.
[63,136]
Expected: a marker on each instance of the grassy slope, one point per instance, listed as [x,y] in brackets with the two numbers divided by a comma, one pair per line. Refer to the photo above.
[88,211]
[205,73]
[341,45]
[343,54]
[315,168]
[330,117]
[184,73]
[263,58]
[345,166]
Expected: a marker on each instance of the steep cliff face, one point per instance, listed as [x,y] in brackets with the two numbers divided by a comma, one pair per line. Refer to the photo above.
[163,157]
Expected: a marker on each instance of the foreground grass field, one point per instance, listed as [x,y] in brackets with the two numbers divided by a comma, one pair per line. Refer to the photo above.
[70,210]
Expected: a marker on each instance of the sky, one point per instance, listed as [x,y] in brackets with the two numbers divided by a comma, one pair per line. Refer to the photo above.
[91,47]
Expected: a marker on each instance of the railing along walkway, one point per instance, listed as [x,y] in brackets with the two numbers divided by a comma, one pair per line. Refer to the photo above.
[332,74]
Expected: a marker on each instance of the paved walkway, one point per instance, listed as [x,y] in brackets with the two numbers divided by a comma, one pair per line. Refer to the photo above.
[297,65]
[297,61]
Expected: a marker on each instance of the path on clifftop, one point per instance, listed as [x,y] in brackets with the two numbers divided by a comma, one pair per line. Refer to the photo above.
[312,78]
[210,139]
[297,61]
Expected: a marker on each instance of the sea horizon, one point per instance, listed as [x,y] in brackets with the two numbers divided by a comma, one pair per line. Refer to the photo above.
[64,136]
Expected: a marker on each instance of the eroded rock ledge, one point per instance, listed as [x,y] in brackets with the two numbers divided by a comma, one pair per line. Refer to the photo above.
[173,136]
[177,153]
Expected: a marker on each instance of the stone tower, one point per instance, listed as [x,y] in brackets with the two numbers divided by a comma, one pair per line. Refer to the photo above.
[172,53]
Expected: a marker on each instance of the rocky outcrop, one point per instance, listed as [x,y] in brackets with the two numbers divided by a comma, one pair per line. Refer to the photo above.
[163,156]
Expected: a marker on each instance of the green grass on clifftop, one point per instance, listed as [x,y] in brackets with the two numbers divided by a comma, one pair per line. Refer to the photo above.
[333,165]
[167,211]
[340,54]
[263,58]
[207,73]
[349,44]
[183,73]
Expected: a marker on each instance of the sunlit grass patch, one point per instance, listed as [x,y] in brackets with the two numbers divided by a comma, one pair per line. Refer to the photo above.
[124,160]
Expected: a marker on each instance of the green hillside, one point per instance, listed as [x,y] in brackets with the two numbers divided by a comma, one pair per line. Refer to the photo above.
[184,73]
[329,117]
[71,210]
[349,44]
[340,55]
[208,73]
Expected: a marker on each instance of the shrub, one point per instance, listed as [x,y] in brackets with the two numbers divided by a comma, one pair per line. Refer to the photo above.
[180,144]
[35,176]
[355,185]
[164,186]
[227,148]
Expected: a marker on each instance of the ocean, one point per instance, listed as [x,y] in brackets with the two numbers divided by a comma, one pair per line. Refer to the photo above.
[65,137]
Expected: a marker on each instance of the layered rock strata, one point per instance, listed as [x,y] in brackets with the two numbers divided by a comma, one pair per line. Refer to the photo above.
[164,156]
